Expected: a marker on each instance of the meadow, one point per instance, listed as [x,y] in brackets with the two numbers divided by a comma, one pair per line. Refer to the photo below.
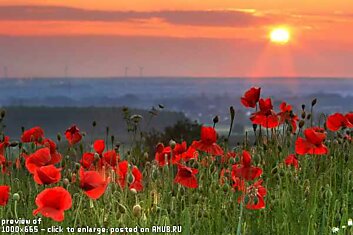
[293,176]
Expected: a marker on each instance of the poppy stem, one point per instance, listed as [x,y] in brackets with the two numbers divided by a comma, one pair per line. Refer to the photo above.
[240,218]
[78,210]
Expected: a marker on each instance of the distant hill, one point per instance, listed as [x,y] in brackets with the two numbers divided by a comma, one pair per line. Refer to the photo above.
[56,120]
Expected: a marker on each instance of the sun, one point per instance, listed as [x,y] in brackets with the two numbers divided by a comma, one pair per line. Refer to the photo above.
[280,35]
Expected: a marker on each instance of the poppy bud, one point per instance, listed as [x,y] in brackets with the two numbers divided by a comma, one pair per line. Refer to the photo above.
[22,129]
[122,209]
[125,109]
[96,157]
[3,113]
[308,117]
[279,148]
[172,144]
[303,107]
[77,165]
[66,181]
[301,123]
[232,112]
[133,191]
[107,130]
[16,197]
[136,211]
[254,127]
[112,137]
[303,115]
[145,156]
[313,102]
[14,144]
[94,123]
[58,137]
[215,120]
[274,171]
[67,157]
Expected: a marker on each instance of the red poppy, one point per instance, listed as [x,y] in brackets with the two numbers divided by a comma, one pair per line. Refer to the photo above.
[55,155]
[87,160]
[73,135]
[52,202]
[266,117]
[99,146]
[186,176]
[39,158]
[4,194]
[224,176]
[35,134]
[337,121]
[121,173]
[4,144]
[93,183]
[238,184]
[164,154]
[255,194]
[313,142]
[245,170]
[111,158]
[286,115]
[291,160]
[251,97]
[208,142]
[47,175]
[137,182]
[349,117]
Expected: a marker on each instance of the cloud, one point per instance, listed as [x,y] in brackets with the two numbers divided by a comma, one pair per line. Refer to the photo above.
[218,18]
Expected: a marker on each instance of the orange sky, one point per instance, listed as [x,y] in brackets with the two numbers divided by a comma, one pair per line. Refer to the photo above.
[316,30]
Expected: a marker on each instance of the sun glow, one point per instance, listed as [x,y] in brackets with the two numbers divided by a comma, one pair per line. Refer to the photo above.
[280,35]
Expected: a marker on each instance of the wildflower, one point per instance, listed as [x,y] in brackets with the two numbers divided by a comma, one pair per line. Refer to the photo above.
[73,135]
[93,183]
[337,120]
[286,114]
[266,117]
[167,155]
[254,194]
[52,202]
[35,134]
[99,146]
[186,176]
[245,170]
[4,194]
[87,160]
[4,144]
[111,158]
[47,175]
[313,142]
[137,182]
[41,157]
[350,222]
[251,97]
[121,172]
[291,160]
[208,142]
[335,230]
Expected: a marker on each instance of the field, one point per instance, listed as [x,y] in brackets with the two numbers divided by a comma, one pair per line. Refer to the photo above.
[295,178]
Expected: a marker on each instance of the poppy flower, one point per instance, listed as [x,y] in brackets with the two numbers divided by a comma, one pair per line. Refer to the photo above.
[337,121]
[35,134]
[291,160]
[121,173]
[313,142]
[93,183]
[87,160]
[165,155]
[208,142]
[224,176]
[111,158]
[73,135]
[47,175]
[349,117]
[286,115]
[39,158]
[55,155]
[226,157]
[99,146]
[4,144]
[266,117]
[137,182]
[245,170]
[186,176]
[255,194]
[52,202]
[4,194]
[251,97]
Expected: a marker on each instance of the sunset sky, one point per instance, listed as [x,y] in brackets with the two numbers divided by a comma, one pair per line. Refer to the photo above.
[175,38]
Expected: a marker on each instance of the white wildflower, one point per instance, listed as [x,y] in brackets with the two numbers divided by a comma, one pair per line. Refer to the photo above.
[350,222]
[335,230]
